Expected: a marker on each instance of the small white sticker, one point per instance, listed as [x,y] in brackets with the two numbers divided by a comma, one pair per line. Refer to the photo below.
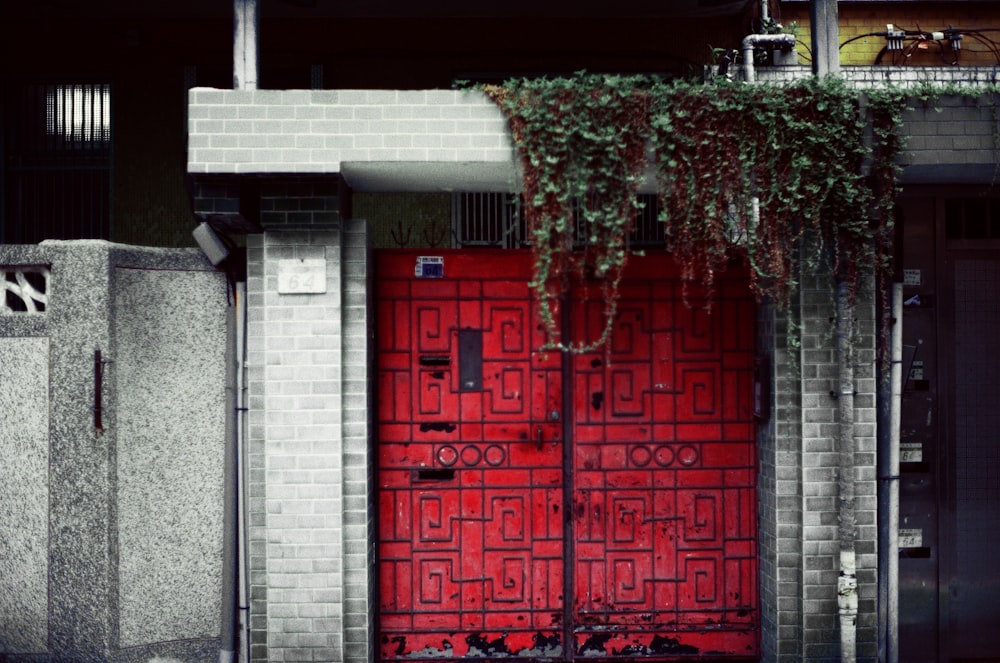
[302,277]
[911,538]
[917,370]
[911,277]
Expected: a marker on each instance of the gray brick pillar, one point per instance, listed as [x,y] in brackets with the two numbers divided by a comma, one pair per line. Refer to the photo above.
[308,345]
[799,546]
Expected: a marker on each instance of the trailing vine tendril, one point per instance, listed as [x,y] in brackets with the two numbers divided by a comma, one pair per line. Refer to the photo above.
[781,176]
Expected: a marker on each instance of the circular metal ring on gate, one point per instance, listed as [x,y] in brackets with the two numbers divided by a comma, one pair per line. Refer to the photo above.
[471,455]
[495,455]
[687,455]
[447,455]
[664,456]
[640,455]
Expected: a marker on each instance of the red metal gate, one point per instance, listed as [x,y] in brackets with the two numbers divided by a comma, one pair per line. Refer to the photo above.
[619,521]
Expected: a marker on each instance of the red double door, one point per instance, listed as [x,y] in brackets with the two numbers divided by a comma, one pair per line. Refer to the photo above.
[533,504]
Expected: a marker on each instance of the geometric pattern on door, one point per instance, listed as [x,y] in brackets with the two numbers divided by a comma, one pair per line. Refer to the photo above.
[478,455]
[664,471]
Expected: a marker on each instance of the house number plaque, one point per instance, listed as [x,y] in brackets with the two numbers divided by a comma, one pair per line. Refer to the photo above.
[305,276]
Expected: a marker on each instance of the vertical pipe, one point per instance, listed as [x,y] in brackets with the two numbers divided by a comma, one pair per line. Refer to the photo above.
[825,37]
[229,544]
[245,54]
[847,583]
[242,500]
[895,405]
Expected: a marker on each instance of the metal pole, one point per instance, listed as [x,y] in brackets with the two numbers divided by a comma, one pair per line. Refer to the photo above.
[245,56]
[825,37]
[892,563]
[847,582]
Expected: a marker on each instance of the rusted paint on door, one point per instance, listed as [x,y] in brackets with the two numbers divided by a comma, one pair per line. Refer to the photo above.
[479,455]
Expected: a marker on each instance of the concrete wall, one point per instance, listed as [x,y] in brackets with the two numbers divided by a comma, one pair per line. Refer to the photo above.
[111,519]
[309,445]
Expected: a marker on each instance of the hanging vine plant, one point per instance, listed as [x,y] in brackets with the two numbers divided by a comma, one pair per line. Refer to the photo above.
[753,170]
[766,168]
[583,151]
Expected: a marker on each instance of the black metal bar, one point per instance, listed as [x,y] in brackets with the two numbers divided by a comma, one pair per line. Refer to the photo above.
[98,382]
[568,414]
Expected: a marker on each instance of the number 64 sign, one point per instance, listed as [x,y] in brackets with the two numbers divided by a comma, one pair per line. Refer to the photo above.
[304,276]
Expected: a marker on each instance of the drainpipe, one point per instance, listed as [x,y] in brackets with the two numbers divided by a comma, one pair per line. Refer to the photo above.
[825,29]
[229,504]
[245,52]
[847,582]
[895,406]
[242,562]
[751,41]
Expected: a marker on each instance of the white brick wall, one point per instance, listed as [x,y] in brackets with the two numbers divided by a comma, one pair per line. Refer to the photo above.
[309,445]
[865,76]
[315,131]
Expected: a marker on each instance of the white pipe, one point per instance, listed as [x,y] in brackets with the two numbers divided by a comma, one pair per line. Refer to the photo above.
[750,41]
[847,581]
[242,561]
[895,405]
[230,500]
[246,59]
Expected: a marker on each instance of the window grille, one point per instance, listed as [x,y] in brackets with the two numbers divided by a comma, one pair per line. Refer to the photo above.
[57,151]
[482,219]
[487,220]
[79,114]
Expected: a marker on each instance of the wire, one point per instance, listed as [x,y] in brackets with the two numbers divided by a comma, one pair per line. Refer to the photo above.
[809,54]
[870,34]
[917,39]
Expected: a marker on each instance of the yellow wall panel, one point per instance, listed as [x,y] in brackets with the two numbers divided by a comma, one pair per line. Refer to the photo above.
[979,23]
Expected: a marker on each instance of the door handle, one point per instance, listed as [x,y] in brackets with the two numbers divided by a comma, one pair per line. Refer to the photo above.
[540,436]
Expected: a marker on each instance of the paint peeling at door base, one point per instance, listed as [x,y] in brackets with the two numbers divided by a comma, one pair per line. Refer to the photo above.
[479,646]
[446,651]
[596,645]
[662,646]
[546,646]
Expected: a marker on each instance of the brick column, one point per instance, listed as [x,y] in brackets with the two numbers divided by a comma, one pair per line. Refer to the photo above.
[780,490]
[798,483]
[308,445]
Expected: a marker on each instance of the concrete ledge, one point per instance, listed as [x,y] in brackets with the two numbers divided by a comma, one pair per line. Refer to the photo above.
[438,134]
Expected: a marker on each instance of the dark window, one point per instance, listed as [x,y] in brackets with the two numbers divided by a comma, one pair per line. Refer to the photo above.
[972,218]
[57,162]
